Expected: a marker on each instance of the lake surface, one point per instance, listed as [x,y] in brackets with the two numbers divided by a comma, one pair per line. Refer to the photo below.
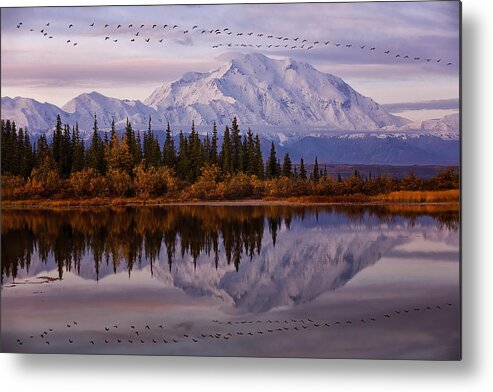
[297,281]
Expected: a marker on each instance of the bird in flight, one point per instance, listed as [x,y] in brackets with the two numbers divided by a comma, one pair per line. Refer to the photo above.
[141,26]
[154,26]
[194,27]
[106,25]
[147,39]
[106,38]
[70,26]
[118,26]
[92,24]
[387,52]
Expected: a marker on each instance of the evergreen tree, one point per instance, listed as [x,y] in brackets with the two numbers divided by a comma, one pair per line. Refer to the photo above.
[278,168]
[133,145]
[183,164]
[78,150]
[151,151]
[303,175]
[57,143]
[43,151]
[196,157]
[113,129]
[244,155]
[235,146]
[258,160]
[226,157]
[271,165]
[169,153]
[316,172]
[287,166]
[95,153]
[213,151]
[250,151]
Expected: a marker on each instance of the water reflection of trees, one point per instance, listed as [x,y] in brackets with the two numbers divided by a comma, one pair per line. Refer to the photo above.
[130,235]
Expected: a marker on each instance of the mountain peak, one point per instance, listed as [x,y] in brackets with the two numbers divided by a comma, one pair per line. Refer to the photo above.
[260,90]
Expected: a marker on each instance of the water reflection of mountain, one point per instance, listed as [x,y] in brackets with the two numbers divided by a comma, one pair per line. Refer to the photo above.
[255,258]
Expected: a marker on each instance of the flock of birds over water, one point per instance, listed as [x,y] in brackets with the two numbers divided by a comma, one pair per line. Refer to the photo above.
[159,33]
[162,334]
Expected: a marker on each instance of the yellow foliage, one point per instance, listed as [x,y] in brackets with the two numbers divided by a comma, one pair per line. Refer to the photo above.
[119,182]
[153,182]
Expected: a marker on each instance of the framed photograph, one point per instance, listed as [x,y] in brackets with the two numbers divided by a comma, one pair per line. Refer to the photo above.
[254,180]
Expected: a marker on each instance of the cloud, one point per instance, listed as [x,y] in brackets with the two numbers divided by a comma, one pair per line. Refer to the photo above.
[424,29]
[442,104]
[127,72]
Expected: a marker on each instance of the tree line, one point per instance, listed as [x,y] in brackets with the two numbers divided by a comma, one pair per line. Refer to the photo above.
[130,163]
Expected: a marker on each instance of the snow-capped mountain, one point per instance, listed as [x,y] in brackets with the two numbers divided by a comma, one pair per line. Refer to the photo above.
[447,127]
[304,111]
[28,113]
[259,90]
[82,109]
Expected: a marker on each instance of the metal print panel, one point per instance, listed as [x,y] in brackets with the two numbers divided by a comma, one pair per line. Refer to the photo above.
[262,180]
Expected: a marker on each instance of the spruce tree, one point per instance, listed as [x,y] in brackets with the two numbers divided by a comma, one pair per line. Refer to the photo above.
[226,158]
[271,165]
[303,175]
[183,166]
[213,151]
[316,172]
[78,150]
[259,160]
[57,142]
[169,153]
[235,146]
[287,166]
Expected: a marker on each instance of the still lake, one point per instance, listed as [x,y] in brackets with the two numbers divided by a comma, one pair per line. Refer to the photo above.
[272,281]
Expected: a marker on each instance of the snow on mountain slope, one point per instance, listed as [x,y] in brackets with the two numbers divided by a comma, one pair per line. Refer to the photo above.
[83,108]
[31,114]
[447,127]
[262,91]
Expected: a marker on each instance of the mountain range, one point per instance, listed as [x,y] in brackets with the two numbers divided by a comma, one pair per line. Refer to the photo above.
[286,101]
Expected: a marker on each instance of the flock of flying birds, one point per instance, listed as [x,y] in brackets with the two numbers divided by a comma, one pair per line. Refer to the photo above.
[160,334]
[269,41]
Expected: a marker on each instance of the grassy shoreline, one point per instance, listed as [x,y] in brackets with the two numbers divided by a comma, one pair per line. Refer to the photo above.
[450,197]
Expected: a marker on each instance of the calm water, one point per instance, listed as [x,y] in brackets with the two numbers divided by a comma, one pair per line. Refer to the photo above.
[379,282]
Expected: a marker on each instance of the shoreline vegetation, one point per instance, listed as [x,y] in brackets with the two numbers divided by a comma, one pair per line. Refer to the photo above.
[122,169]
[449,198]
